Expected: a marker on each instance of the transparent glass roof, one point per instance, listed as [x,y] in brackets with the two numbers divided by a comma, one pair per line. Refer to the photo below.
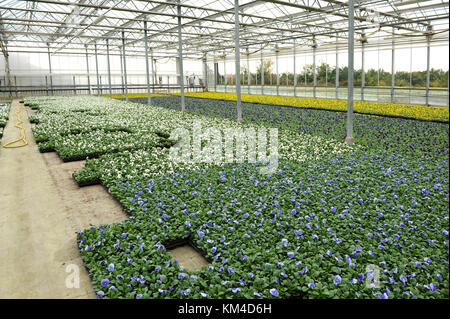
[208,25]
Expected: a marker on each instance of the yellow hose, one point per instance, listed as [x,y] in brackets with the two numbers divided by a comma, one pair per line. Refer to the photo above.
[22,130]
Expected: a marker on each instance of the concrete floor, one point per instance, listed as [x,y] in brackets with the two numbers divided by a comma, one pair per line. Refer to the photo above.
[41,210]
[188,257]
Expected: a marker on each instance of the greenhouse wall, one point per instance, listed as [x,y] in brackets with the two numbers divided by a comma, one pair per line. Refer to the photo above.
[30,74]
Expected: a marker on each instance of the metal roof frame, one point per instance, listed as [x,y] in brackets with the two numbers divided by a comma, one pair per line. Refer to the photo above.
[67,27]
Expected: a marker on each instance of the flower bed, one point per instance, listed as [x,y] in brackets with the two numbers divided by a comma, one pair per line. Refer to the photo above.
[95,129]
[312,229]
[99,126]
[4,114]
[374,132]
[309,231]
[421,112]
[96,143]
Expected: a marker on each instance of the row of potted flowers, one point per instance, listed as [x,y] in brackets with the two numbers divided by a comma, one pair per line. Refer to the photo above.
[4,114]
[352,226]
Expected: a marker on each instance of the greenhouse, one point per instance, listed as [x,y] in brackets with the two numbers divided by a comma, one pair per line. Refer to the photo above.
[180,149]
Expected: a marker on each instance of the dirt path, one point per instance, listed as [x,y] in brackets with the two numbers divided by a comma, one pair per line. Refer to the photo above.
[41,209]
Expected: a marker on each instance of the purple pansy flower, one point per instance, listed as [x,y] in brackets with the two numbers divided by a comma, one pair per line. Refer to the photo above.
[337,280]
[274,292]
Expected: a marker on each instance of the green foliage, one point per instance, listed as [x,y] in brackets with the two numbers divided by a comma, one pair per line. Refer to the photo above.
[326,75]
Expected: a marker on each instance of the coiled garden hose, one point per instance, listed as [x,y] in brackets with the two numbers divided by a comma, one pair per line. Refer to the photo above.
[22,132]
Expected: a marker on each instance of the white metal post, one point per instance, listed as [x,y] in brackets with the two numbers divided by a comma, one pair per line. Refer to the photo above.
[153,69]
[96,69]
[314,69]
[262,72]
[177,70]
[427,94]
[378,73]
[205,72]
[124,66]
[349,138]
[276,66]
[49,68]
[248,72]
[363,75]
[109,68]
[410,71]
[337,69]
[147,72]
[121,70]
[393,68]
[237,60]
[295,71]
[87,69]
[180,54]
[306,80]
[216,71]
[225,71]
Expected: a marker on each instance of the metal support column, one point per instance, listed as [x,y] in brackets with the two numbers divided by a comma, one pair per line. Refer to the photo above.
[295,72]
[351,51]
[224,71]
[216,71]
[314,69]
[363,75]
[124,66]
[393,68]
[147,72]
[237,60]
[177,70]
[262,72]
[248,72]
[109,68]
[337,69]
[180,52]
[74,86]
[96,69]
[153,69]
[427,94]
[205,72]
[121,70]
[87,70]
[278,76]
[50,68]
[378,72]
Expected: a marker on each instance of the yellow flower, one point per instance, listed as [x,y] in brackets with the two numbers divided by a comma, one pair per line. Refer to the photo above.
[421,112]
